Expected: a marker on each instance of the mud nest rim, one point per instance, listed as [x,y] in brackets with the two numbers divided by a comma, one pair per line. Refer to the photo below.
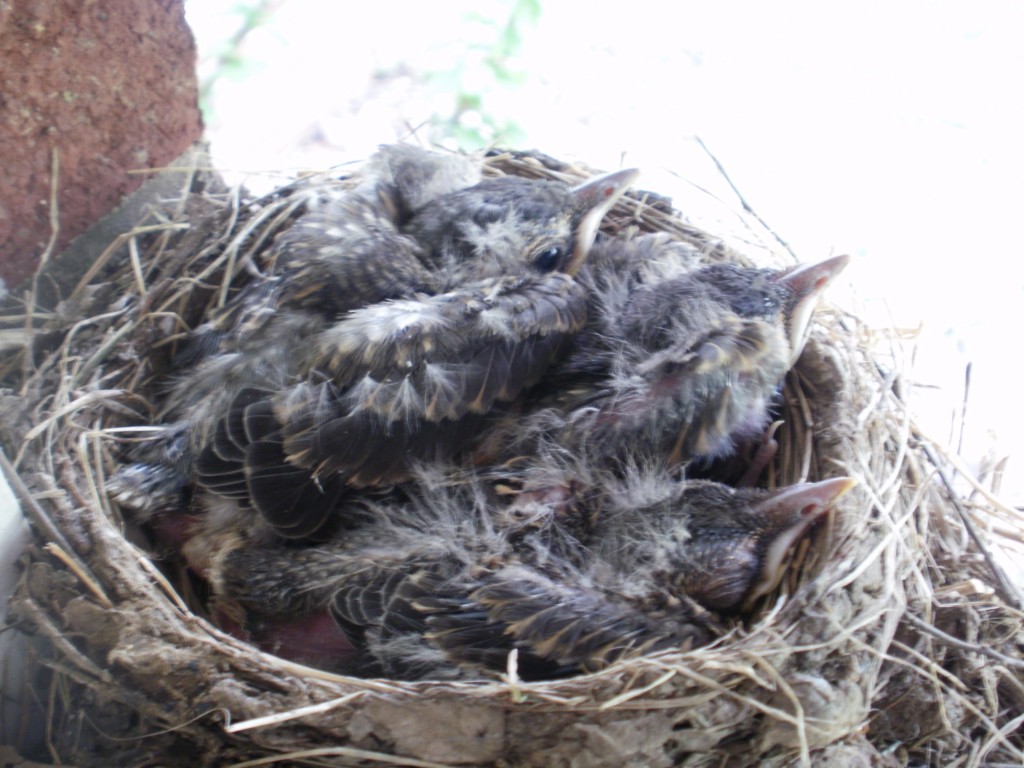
[889,607]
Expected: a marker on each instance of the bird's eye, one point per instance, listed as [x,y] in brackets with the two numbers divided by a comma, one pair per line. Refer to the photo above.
[548,259]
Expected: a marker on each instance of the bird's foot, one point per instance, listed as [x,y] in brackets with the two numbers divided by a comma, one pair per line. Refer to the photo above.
[764,456]
[146,488]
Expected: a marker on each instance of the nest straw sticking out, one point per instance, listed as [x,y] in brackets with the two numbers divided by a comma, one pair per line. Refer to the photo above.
[894,640]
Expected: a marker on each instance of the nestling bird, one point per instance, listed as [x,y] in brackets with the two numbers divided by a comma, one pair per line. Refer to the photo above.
[723,547]
[345,251]
[677,361]
[435,583]
[390,343]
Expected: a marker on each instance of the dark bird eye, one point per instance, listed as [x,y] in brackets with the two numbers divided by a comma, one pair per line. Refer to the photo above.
[548,259]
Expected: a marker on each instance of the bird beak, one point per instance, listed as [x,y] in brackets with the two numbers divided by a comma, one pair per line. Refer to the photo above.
[807,282]
[788,514]
[594,198]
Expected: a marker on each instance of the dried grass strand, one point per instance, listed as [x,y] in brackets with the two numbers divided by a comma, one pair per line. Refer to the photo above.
[349,752]
[890,589]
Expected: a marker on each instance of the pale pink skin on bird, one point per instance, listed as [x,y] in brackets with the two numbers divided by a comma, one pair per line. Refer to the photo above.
[313,639]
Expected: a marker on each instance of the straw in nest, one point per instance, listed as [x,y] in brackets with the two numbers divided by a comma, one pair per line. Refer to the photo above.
[895,639]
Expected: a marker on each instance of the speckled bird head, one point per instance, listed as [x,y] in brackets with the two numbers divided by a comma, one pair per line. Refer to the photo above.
[721,546]
[515,226]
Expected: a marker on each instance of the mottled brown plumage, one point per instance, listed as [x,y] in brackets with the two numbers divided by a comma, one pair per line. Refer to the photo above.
[436,580]
[677,361]
[403,312]
[723,547]
[411,382]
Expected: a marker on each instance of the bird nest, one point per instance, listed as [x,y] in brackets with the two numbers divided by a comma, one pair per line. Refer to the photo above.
[895,639]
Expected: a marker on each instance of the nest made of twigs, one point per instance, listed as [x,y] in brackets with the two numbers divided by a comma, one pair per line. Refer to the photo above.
[894,640]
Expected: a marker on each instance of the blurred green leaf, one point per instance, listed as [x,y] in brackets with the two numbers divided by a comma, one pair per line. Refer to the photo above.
[229,61]
[486,69]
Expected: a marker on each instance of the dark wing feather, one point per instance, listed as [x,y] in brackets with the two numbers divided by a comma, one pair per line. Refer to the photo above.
[412,380]
[378,604]
[559,628]
[430,604]
[399,365]
[396,382]
[246,461]
[220,467]
[678,374]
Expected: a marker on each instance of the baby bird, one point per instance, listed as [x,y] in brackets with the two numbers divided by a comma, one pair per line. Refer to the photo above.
[721,546]
[412,379]
[677,361]
[436,584]
[391,344]
[344,251]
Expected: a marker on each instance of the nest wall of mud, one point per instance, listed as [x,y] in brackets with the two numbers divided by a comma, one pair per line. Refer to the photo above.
[893,640]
